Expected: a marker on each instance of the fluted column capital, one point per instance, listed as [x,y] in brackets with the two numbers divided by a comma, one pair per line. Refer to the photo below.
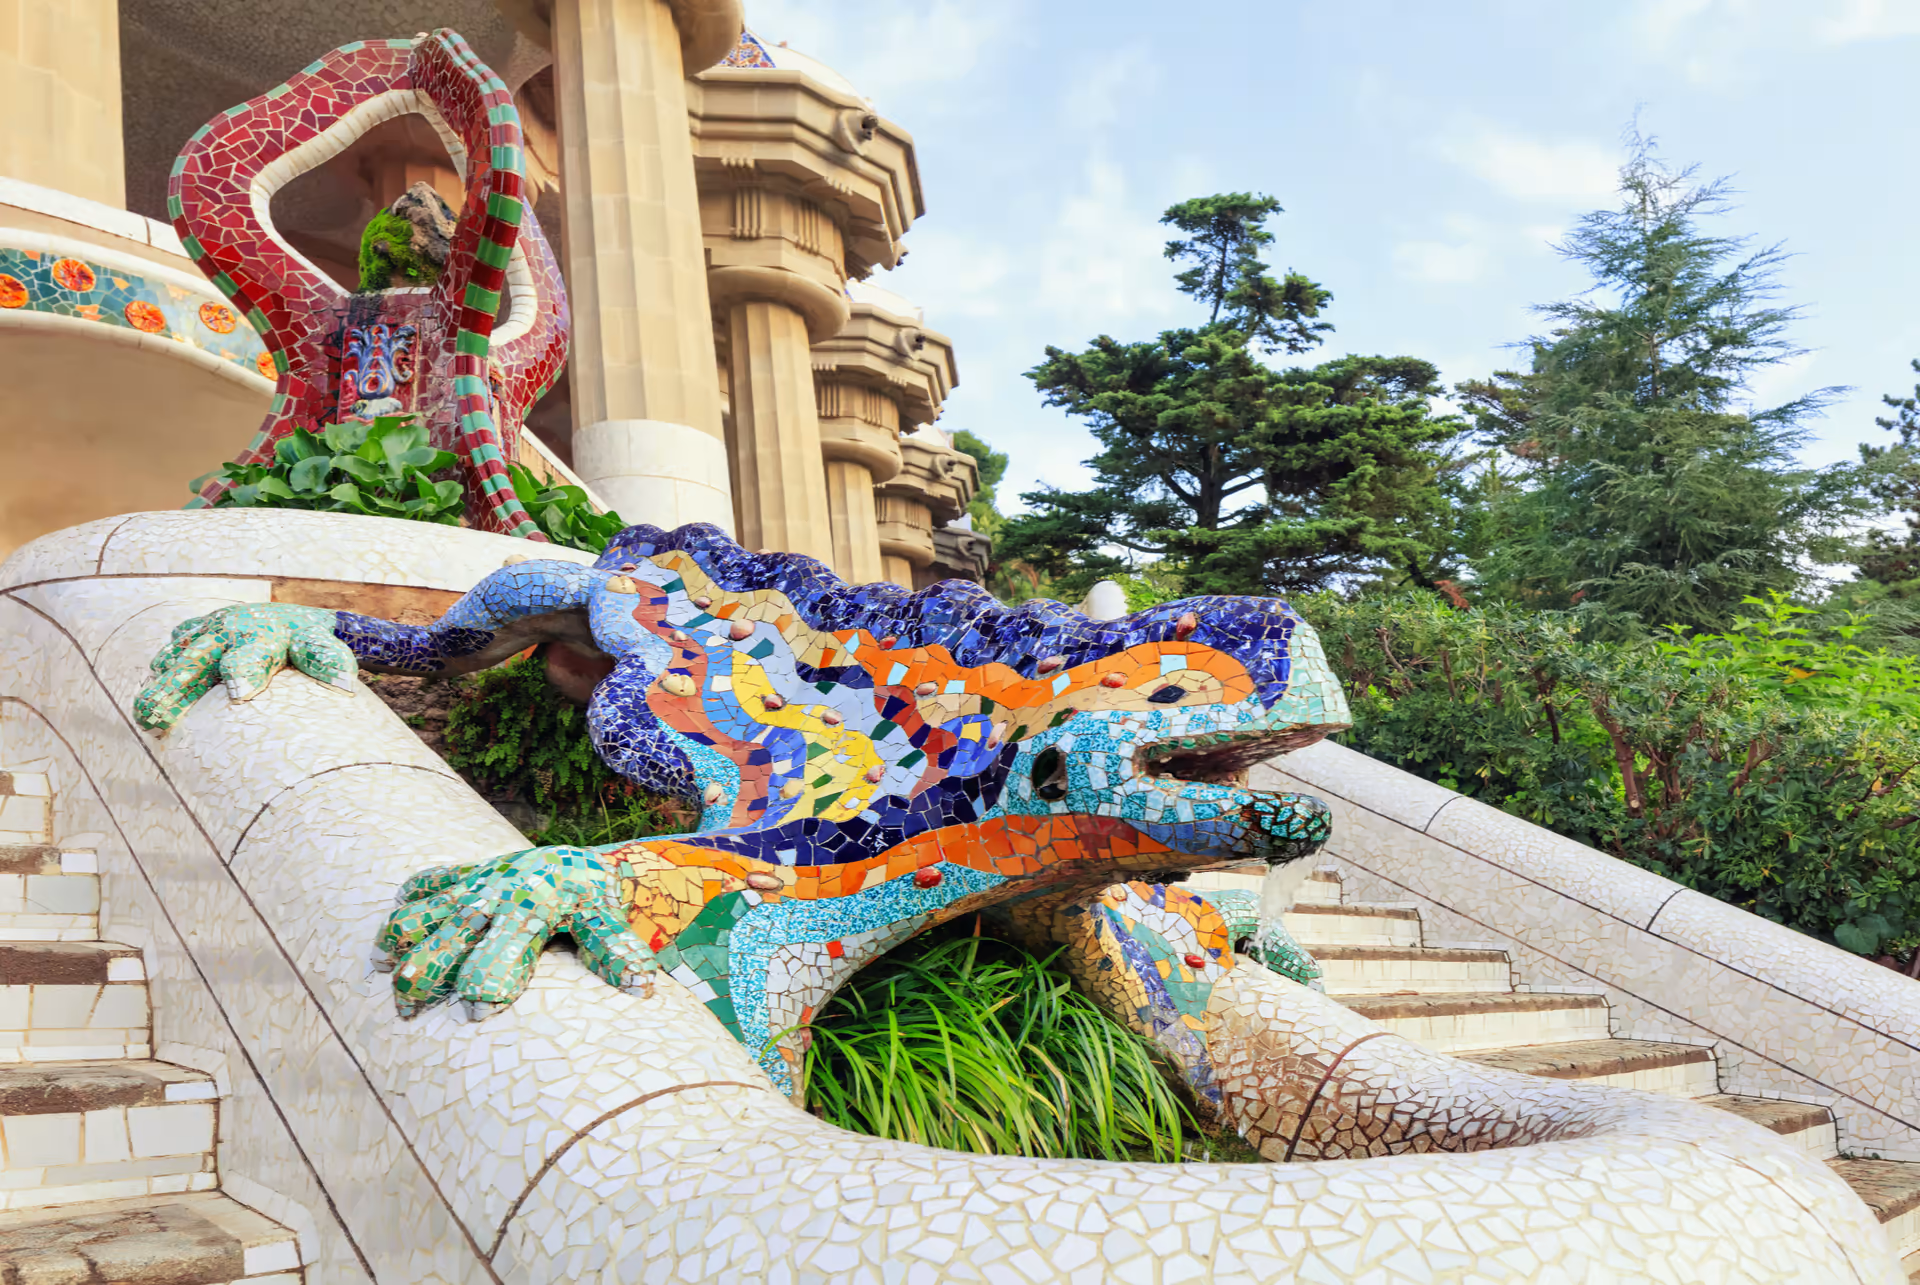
[708,29]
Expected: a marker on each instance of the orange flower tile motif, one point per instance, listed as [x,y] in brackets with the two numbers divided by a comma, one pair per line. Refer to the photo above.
[71,274]
[145,317]
[217,317]
[35,279]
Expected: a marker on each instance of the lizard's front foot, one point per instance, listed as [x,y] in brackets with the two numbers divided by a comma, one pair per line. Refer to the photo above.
[242,646]
[479,929]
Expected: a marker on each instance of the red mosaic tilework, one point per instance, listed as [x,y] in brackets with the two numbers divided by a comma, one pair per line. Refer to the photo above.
[217,199]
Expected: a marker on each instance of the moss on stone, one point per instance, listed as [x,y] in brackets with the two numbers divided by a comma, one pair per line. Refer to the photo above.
[386,253]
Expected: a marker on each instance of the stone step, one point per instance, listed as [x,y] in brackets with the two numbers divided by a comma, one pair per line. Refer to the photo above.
[47,894]
[1353,925]
[1454,1023]
[1322,888]
[1891,1189]
[26,807]
[197,1239]
[1810,1127]
[1911,1266]
[1407,970]
[1683,1070]
[86,1131]
[72,1001]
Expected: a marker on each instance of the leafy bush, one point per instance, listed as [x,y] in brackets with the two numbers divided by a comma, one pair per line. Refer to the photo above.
[564,512]
[1766,766]
[511,735]
[380,469]
[973,1045]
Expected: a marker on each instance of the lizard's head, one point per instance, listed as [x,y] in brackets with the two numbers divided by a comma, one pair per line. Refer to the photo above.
[1161,733]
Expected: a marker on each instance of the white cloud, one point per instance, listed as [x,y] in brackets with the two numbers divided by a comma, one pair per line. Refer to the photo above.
[1098,94]
[1100,262]
[1662,23]
[955,274]
[1543,236]
[1870,20]
[1440,262]
[894,47]
[1535,169]
[1719,43]
[1783,381]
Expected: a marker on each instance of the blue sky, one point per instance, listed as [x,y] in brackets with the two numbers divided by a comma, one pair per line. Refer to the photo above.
[1427,155]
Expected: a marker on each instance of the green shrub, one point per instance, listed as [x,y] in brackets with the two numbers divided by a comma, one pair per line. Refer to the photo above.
[380,469]
[511,735]
[973,1045]
[564,512]
[1773,769]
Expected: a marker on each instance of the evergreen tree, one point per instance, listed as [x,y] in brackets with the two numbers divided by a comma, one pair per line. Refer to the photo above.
[1225,234]
[1646,485]
[1238,477]
[983,508]
[1892,560]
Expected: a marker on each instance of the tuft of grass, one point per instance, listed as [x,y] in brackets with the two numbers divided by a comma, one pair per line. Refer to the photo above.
[971,1044]
[635,816]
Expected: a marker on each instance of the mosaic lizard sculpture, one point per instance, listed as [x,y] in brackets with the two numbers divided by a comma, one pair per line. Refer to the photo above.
[440,351]
[868,763]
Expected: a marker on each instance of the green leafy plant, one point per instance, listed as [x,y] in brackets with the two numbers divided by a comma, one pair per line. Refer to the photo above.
[970,1044]
[1769,766]
[382,469]
[512,735]
[564,512]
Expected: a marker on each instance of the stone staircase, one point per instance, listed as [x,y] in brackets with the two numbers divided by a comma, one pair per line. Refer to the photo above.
[1462,1001]
[107,1156]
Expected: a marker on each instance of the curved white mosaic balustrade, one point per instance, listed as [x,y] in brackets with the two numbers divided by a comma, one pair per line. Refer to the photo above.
[1787,1016]
[587,1135]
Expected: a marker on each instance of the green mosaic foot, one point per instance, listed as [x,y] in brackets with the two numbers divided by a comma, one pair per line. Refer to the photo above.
[243,647]
[1264,940]
[477,931]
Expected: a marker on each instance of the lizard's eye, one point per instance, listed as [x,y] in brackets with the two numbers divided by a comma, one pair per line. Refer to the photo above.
[1168,695]
[1050,775]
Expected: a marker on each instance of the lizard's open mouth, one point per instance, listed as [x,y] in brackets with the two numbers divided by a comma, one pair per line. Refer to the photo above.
[1220,758]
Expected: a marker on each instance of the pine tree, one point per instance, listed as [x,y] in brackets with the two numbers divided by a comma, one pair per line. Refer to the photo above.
[1646,485]
[1239,477]
[1893,559]
[1225,234]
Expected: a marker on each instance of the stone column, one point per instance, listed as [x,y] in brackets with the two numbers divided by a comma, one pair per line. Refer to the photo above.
[860,441]
[906,537]
[60,97]
[932,489]
[777,473]
[647,429]
[801,187]
[881,373]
